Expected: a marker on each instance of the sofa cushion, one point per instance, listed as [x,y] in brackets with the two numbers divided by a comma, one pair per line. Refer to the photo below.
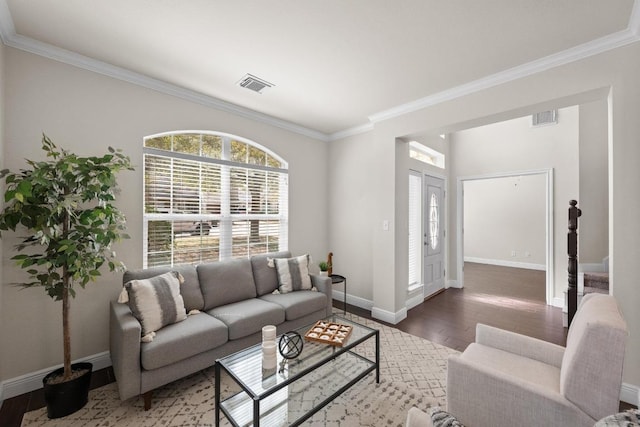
[156,302]
[189,289]
[247,317]
[265,277]
[226,282]
[298,304]
[194,335]
[293,274]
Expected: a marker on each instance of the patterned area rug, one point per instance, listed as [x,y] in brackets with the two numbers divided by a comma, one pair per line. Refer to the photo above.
[412,373]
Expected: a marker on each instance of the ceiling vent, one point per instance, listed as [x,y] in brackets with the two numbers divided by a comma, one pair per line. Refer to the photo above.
[544,118]
[254,83]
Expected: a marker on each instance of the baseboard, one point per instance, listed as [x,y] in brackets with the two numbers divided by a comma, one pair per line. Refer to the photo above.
[630,393]
[452,284]
[558,302]
[353,300]
[591,268]
[388,316]
[415,301]
[33,381]
[505,263]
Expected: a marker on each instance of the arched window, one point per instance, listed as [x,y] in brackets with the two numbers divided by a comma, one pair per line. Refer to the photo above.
[211,196]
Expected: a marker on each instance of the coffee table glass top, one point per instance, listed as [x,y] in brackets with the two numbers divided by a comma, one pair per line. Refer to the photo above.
[294,391]
[246,365]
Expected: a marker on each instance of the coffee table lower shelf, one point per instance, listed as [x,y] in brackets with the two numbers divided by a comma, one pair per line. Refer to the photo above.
[291,405]
[289,396]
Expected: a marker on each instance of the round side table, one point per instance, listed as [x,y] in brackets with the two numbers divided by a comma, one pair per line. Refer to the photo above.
[336,278]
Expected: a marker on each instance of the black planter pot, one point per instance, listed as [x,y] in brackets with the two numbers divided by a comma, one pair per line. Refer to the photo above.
[66,398]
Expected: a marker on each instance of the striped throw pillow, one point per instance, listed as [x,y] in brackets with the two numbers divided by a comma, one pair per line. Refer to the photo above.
[156,302]
[293,274]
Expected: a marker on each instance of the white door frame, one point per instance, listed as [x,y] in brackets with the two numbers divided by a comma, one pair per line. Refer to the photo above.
[549,242]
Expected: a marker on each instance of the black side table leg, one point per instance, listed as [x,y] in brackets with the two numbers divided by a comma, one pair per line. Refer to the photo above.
[345,296]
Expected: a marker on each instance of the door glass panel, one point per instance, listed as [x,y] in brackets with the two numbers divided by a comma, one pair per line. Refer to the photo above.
[434,221]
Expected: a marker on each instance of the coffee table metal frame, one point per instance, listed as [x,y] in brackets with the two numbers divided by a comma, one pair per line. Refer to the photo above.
[311,351]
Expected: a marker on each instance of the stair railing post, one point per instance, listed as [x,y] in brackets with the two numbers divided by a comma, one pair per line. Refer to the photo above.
[572,249]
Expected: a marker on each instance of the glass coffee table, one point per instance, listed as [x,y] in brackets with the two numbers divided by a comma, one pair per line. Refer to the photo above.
[294,391]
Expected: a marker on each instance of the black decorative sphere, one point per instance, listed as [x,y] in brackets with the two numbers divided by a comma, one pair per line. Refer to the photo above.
[290,345]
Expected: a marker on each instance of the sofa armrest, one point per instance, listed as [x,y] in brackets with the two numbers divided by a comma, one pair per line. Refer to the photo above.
[521,345]
[483,397]
[124,347]
[323,283]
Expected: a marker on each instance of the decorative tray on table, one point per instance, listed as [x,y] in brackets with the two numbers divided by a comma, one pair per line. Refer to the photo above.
[329,333]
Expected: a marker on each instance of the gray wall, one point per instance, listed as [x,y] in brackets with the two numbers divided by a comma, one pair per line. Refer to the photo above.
[593,230]
[505,221]
[513,146]
[347,189]
[86,112]
[607,76]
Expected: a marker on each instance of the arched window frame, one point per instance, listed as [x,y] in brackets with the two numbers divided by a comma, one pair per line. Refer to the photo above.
[203,202]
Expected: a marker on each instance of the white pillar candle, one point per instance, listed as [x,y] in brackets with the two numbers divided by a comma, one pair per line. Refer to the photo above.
[269,356]
[268,333]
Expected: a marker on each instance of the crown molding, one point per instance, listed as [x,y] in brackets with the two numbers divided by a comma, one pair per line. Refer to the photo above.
[356,130]
[634,20]
[12,39]
[6,22]
[583,51]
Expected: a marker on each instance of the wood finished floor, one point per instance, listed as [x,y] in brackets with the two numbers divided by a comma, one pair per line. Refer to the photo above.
[508,298]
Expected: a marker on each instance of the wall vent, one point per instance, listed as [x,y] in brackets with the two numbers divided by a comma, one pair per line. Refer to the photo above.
[254,83]
[544,118]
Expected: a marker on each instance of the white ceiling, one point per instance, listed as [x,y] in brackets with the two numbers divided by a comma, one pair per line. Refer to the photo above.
[337,65]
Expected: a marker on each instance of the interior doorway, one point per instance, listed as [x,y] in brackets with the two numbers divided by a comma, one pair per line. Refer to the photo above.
[513,178]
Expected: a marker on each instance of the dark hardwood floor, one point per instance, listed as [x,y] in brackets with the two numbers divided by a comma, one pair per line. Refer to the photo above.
[508,298]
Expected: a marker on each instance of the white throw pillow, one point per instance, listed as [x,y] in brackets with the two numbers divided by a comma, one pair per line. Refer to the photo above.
[156,302]
[293,274]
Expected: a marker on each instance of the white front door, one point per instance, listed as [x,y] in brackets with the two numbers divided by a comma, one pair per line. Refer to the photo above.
[433,227]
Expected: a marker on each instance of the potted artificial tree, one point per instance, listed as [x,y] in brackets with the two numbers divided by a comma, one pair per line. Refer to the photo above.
[65,205]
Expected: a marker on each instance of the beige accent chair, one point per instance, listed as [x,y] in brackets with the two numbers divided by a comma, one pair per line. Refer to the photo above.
[506,379]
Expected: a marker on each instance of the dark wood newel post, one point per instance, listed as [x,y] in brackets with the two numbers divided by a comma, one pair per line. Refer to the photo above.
[572,249]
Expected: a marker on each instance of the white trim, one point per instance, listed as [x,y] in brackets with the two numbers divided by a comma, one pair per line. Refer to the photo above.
[558,302]
[630,393]
[356,130]
[33,381]
[11,39]
[591,268]
[550,268]
[414,301]
[505,263]
[576,53]
[452,284]
[388,316]
[353,300]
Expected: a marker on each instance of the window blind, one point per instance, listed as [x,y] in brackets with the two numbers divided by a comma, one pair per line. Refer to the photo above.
[415,229]
[210,197]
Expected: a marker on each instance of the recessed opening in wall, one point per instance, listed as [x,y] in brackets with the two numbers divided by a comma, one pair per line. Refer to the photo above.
[426,154]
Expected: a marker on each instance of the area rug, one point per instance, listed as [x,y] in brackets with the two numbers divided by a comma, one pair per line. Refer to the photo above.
[412,373]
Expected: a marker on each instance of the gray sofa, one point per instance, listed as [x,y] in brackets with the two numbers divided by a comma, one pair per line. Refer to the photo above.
[236,300]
